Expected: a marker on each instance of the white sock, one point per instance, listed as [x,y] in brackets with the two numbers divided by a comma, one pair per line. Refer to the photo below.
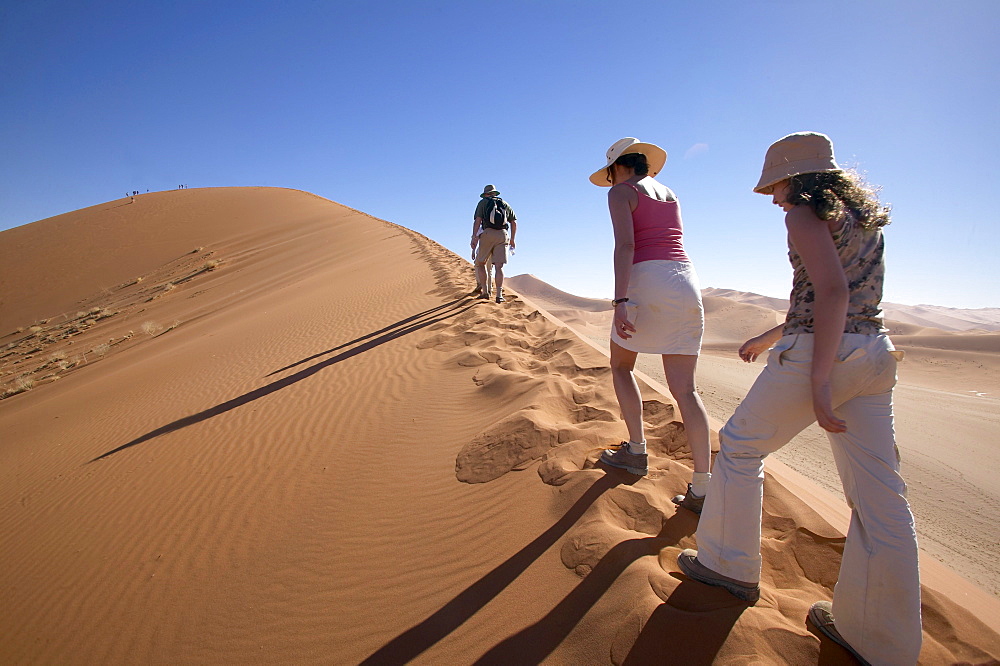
[637,447]
[699,483]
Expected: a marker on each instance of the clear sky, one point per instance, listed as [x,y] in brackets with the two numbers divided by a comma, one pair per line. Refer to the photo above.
[405,110]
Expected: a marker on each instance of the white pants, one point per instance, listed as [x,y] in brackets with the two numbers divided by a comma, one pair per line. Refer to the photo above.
[876,601]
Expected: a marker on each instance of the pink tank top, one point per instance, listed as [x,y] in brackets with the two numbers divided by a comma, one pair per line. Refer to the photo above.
[657,228]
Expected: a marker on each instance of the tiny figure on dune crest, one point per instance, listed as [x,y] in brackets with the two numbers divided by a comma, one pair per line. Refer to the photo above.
[658,308]
[493,231]
[832,363]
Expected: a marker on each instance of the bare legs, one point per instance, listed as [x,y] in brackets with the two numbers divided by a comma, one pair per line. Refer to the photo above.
[627,391]
[680,372]
[483,277]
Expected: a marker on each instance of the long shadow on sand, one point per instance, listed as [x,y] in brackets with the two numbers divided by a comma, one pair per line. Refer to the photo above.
[690,628]
[372,340]
[534,644]
[415,640]
[382,331]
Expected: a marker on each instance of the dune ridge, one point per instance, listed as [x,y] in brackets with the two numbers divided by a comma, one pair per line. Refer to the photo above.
[337,455]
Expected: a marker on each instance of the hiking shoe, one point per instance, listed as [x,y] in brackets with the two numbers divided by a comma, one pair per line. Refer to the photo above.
[634,463]
[500,298]
[483,296]
[821,615]
[689,501]
[695,570]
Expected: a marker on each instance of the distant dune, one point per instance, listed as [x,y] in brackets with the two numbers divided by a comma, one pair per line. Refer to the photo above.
[916,316]
[251,425]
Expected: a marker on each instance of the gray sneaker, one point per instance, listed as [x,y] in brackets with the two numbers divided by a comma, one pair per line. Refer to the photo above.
[695,570]
[689,501]
[821,615]
[634,463]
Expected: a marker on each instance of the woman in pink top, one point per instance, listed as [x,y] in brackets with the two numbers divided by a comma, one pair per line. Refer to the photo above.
[657,305]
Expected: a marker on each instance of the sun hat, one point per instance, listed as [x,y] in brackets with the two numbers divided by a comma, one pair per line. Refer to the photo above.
[655,155]
[489,191]
[796,154]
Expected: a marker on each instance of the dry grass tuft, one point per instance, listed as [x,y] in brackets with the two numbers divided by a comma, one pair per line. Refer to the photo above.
[21,384]
[211,264]
[151,328]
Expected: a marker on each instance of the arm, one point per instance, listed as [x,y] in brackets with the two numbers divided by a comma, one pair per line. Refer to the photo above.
[621,202]
[513,231]
[475,231]
[754,347]
[813,241]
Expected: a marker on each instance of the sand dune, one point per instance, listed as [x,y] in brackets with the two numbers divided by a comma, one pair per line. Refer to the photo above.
[909,317]
[297,439]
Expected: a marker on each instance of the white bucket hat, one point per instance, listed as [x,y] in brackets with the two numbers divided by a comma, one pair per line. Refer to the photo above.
[794,155]
[655,156]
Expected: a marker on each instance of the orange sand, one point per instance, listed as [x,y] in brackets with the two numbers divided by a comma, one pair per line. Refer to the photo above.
[297,439]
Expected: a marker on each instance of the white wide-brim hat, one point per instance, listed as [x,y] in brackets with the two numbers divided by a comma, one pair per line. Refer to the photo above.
[655,156]
[794,155]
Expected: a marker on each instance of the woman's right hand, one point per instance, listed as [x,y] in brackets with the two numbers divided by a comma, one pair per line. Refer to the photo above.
[622,324]
[754,347]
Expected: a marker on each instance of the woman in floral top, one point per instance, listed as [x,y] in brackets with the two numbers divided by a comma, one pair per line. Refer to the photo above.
[831,363]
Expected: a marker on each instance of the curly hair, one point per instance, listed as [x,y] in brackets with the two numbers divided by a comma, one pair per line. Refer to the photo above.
[830,195]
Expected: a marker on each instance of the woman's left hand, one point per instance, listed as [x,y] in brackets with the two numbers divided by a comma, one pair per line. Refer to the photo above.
[622,325]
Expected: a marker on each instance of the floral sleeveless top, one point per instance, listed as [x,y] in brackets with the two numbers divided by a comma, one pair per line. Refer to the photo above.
[861,254]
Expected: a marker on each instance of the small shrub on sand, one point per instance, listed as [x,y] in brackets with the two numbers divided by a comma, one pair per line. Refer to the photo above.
[35,329]
[169,286]
[101,349]
[211,264]
[21,384]
[151,328]
[57,355]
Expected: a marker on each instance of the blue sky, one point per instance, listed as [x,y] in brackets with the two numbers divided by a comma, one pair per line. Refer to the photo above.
[406,110]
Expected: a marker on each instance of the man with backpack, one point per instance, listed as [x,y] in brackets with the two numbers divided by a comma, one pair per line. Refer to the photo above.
[493,231]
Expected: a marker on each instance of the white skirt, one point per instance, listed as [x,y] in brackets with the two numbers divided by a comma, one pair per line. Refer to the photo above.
[664,304]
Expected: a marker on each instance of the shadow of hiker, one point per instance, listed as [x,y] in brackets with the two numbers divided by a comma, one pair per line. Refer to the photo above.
[373,334]
[689,628]
[415,640]
[401,328]
[534,644]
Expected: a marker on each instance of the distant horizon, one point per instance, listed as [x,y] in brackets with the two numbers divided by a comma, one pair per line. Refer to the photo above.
[551,282]
[754,293]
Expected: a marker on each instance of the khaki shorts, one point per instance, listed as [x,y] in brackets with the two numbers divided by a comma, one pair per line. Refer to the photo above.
[492,248]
